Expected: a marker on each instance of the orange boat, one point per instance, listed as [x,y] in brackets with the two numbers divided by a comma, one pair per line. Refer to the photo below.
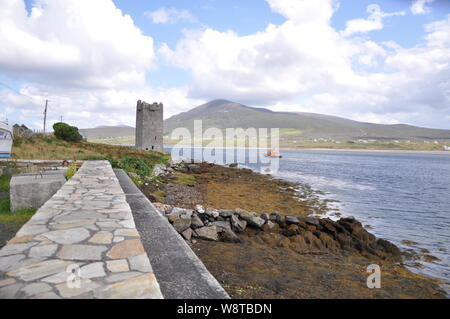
[272,153]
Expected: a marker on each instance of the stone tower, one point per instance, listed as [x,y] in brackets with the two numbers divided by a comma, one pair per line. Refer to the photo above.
[149,126]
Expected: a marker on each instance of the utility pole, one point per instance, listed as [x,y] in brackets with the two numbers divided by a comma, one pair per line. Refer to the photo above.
[61,119]
[45,114]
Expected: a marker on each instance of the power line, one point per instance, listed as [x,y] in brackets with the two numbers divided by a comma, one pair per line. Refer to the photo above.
[15,91]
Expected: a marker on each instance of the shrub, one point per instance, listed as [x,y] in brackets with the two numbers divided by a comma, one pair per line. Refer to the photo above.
[66,132]
[71,171]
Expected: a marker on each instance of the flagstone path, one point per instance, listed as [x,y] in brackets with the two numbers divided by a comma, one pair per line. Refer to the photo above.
[82,243]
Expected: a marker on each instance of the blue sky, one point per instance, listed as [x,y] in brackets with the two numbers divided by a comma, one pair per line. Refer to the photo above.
[385,61]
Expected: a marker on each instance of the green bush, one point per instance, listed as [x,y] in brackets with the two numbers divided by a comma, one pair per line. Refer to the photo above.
[66,132]
[71,171]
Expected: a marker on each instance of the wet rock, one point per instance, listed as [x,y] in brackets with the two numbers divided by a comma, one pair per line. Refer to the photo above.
[187,234]
[344,240]
[291,230]
[291,220]
[199,209]
[312,240]
[328,241]
[274,216]
[270,226]
[178,211]
[212,213]
[281,221]
[181,223]
[237,224]
[283,242]
[388,247]
[226,213]
[257,222]
[159,170]
[196,222]
[224,228]
[312,221]
[207,233]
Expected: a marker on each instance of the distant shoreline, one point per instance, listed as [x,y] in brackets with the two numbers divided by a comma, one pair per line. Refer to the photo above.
[344,150]
[361,150]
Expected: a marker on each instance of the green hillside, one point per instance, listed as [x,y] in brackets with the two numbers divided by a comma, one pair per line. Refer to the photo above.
[223,114]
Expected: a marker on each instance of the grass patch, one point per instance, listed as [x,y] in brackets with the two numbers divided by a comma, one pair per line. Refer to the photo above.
[11,222]
[4,183]
[47,147]
[184,179]
[159,195]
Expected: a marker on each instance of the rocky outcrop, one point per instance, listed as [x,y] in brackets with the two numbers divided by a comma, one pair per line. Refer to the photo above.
[305,234]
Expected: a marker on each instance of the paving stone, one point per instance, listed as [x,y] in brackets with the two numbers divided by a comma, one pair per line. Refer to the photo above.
[84,286]
[15,249]
[9,292]
[140,263]
[68,236]
[126,232]
[81,252]
[74,225]
[127,248]
[6,263]
[93,270]
[27,230]
[57,278]
[107,225]
[141,287]
[43,251]
[101,238]
[120,265]
[128,223]
[122,276]
[40,270]
[20,240]
[36,288]
[118,239]
[47,295]
[7,282]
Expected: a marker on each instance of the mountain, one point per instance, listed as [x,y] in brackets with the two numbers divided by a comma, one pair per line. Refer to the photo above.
[102,132]
[223,114]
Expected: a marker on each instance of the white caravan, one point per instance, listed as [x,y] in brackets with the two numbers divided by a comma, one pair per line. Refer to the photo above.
[6,140]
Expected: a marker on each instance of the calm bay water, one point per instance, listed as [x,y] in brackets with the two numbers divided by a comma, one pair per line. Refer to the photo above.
[403,196]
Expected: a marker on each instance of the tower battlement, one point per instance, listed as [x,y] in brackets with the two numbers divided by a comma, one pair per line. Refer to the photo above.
[149,126]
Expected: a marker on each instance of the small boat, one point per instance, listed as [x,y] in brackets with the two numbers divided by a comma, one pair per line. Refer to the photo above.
[273,153]
[6,140]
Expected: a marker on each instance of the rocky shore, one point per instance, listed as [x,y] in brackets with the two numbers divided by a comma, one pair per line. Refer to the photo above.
[310,234]
[272,247]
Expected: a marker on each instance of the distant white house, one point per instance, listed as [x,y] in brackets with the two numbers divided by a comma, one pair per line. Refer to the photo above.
[446,148]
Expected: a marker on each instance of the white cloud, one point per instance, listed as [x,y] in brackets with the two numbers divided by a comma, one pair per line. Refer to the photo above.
[372,23]
[170,15]
[307,63]
[420,7]
[74,42]
[87,57]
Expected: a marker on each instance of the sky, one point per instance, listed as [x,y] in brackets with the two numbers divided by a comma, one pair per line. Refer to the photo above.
[380,61]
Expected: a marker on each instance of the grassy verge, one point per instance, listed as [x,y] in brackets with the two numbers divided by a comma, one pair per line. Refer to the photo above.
[47,147]
[10,222]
